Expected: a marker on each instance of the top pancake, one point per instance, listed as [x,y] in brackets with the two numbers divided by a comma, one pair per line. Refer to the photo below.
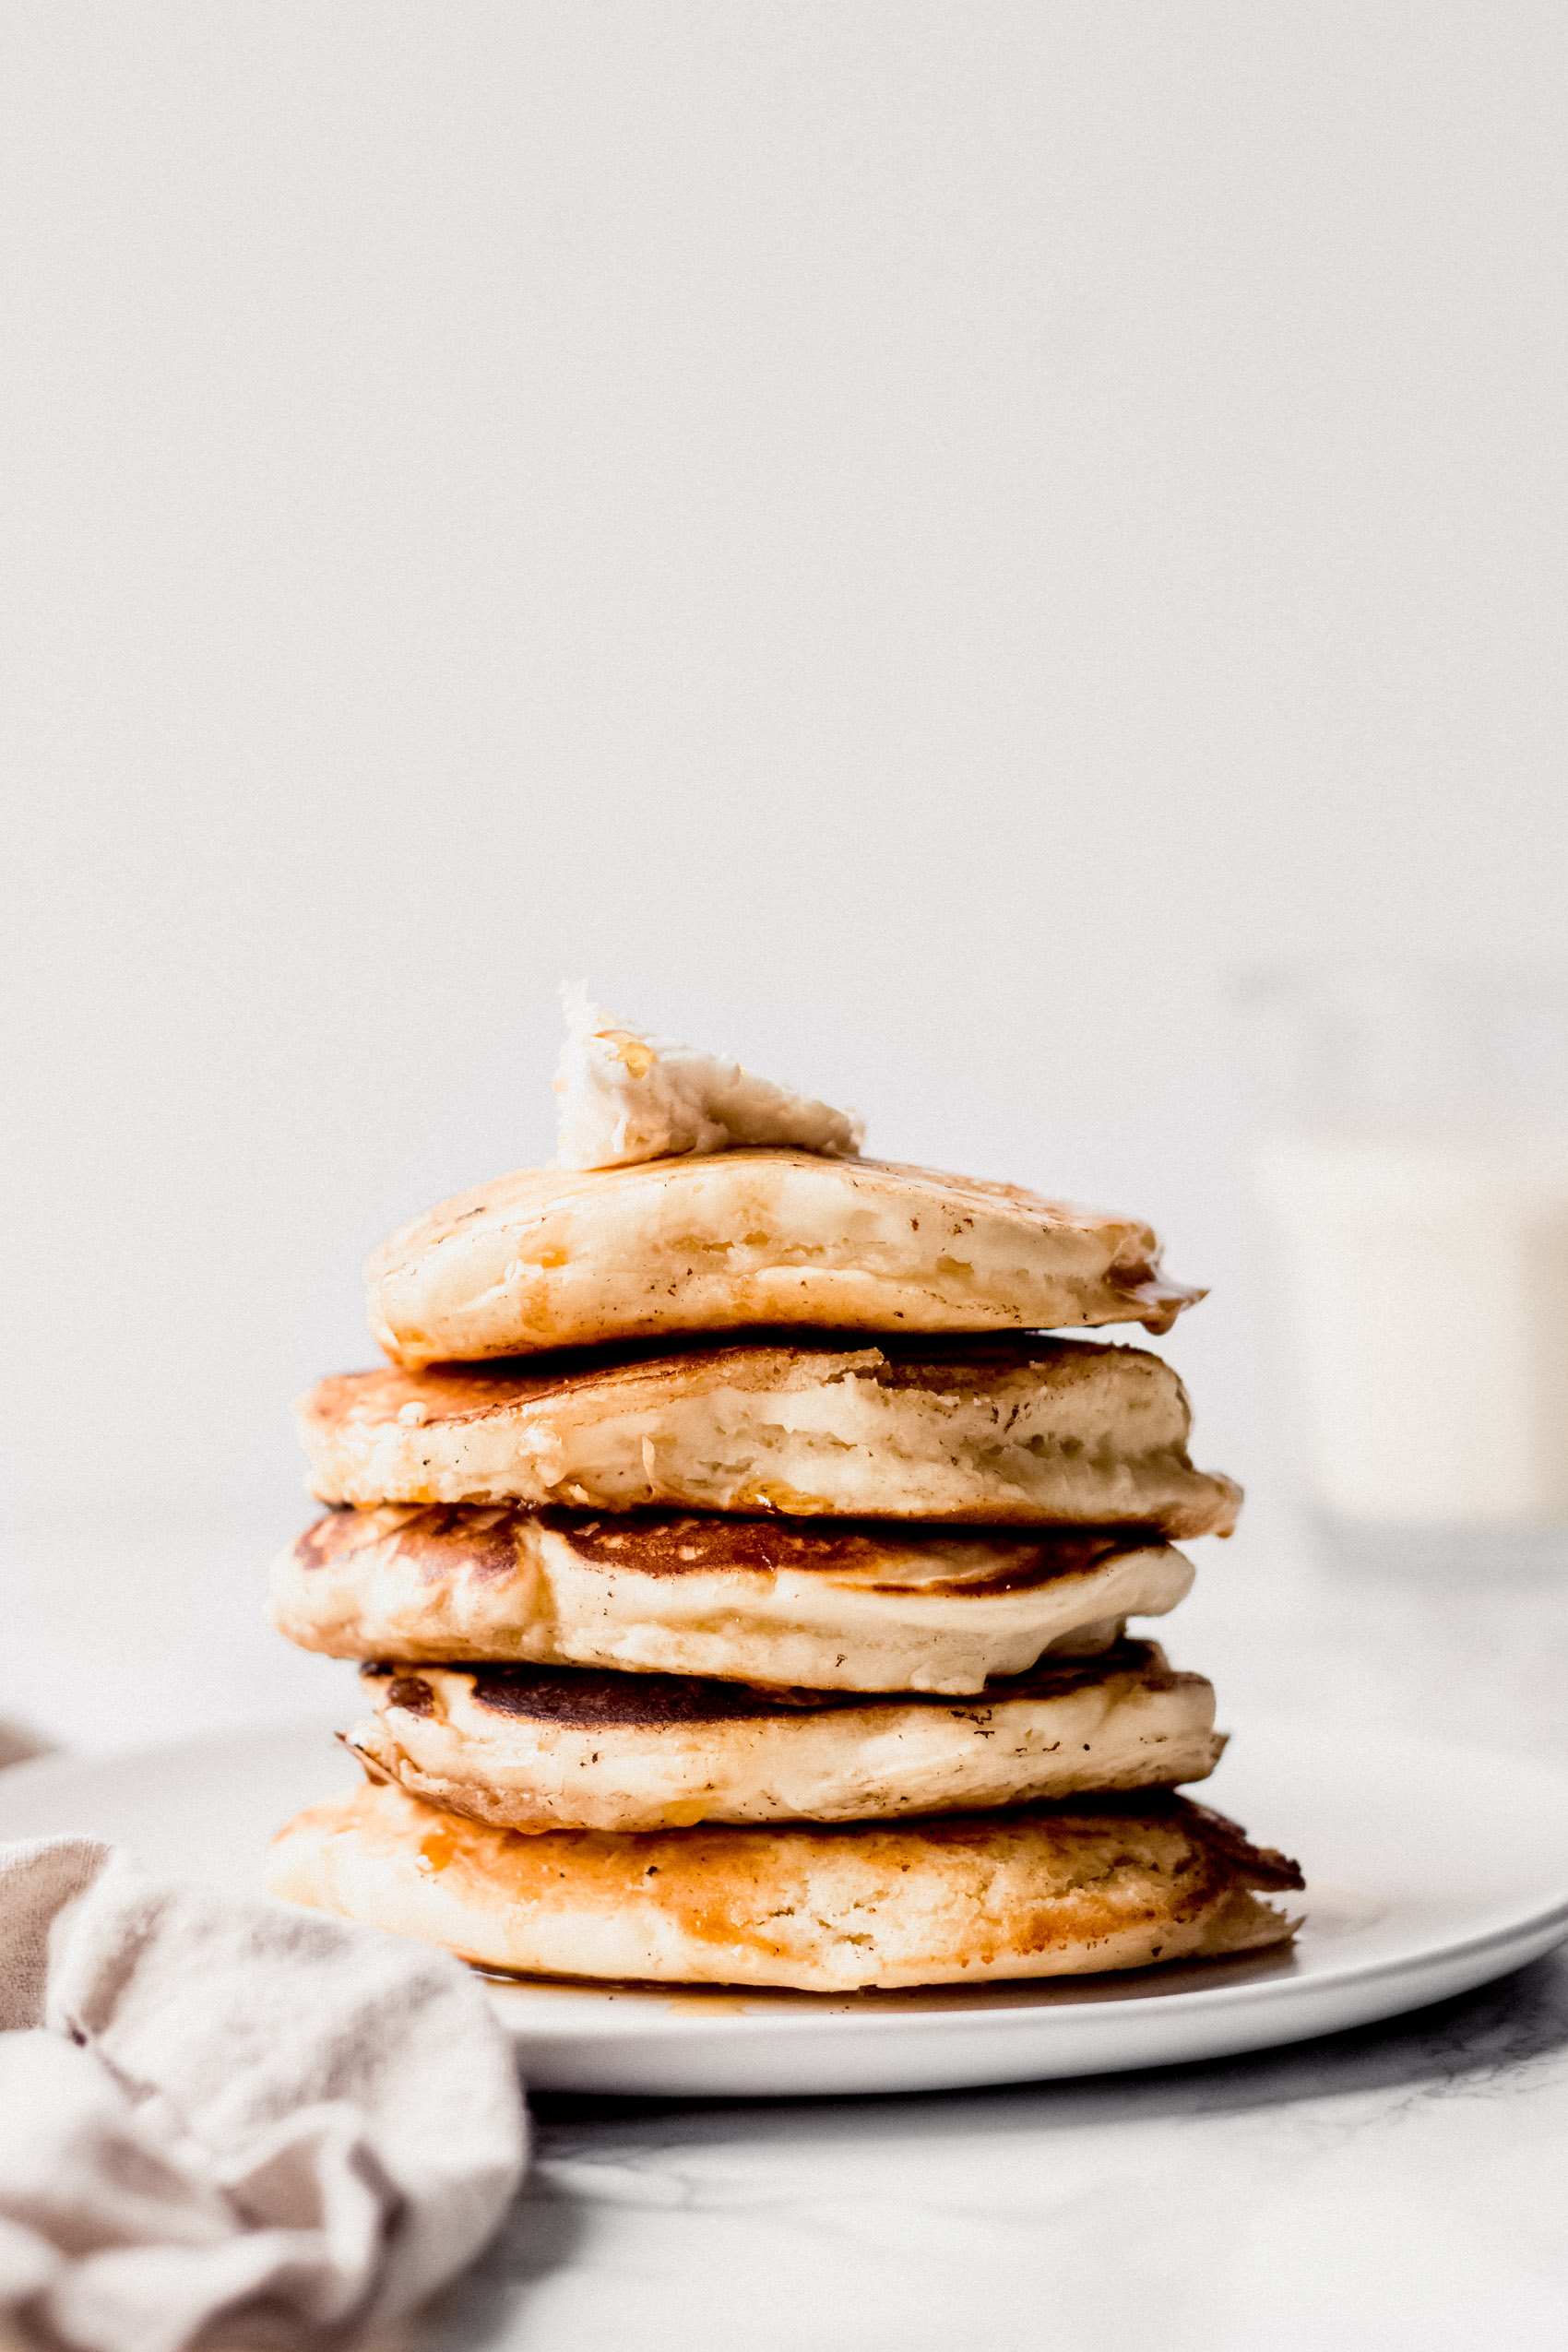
[552,1257]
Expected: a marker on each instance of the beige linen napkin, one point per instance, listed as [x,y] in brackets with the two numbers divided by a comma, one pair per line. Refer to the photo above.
[228,2120]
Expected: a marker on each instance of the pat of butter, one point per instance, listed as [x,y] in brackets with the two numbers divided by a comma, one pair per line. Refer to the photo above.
[626,1097]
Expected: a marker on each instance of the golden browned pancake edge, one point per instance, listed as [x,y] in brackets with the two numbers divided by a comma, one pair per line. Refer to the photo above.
[1106,1884]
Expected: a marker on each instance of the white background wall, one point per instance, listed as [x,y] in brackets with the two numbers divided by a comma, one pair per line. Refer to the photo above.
[907,542]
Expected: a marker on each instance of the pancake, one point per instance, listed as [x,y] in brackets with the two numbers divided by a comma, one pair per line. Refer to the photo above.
[1020,1432]
[958,1899]
[845,1605]
[542,1748]
[555,1257]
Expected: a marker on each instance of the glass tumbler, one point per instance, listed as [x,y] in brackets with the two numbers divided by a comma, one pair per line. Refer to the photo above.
[1411,1149]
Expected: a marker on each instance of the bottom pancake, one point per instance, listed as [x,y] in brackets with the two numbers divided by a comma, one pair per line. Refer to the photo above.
[955,1898]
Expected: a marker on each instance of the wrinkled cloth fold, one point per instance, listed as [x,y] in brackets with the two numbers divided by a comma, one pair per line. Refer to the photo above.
[226,2121]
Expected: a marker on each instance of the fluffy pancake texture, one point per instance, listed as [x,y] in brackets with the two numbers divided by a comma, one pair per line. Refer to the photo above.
[542,1748]
[1022,1431]
[960,1899]
[553,1257]
[831,1605]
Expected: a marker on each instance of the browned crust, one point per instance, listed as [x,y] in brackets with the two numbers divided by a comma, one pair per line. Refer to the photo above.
[448,1539]
[468,1392]
[1223,1842]
[587,1697]
[1263,1868]
[443,1540]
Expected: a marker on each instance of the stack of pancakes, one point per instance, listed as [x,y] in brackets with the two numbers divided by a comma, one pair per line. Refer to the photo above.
[744,1579]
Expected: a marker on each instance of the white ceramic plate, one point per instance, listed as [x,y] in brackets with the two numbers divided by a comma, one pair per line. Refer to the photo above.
[1429,1870]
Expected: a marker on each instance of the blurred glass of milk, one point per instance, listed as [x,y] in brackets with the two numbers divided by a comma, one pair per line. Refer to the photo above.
[1412,1154]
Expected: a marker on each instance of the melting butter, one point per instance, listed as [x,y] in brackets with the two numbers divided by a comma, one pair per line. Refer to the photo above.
[627,1097]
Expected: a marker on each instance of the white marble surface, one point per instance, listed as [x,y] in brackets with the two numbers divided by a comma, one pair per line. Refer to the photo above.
[1392,2188]
[1395,2187]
